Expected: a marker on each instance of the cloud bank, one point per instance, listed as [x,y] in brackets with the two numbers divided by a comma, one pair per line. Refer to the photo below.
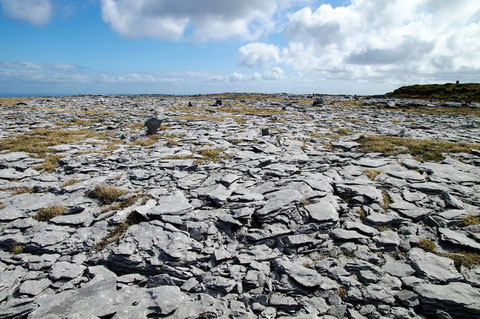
[414,39]
[37,12]
[207,19]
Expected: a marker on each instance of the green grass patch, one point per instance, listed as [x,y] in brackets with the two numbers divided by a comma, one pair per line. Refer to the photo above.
[17,249]
[439,92]
[425,150]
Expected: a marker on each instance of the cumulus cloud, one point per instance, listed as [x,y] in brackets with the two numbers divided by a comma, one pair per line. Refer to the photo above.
[171,19]
[258,54]
[36,12]
[419,39]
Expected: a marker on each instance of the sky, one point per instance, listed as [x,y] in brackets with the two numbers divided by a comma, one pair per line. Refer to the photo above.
[212,46]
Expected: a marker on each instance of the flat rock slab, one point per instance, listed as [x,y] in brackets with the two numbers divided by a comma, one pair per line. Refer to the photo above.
[435,268]
[279,200]
[457,299]
[457,238]
[305,276]
[323,211]
[176,204]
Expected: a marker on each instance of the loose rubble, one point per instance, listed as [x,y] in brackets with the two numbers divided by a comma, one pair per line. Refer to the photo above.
[236,206]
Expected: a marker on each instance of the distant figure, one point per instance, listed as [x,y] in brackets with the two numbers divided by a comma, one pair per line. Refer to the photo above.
[218,102]
[190,104]
[458,82]
[152,125]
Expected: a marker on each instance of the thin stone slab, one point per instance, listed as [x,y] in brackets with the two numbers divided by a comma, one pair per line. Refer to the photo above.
[346,235]
[435,268]
[305,276]
[176,204]
[458,239]
[323,211]
[279,200]
[458,299]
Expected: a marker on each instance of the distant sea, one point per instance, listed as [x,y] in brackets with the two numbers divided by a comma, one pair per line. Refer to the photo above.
[31,94]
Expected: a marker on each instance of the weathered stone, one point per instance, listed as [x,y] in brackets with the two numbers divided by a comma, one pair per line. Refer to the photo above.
[435,268]
[153,125]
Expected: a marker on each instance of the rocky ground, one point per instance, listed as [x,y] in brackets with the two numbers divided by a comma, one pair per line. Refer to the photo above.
[263,207]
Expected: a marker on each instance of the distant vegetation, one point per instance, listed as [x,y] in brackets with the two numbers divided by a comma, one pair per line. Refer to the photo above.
[466,92]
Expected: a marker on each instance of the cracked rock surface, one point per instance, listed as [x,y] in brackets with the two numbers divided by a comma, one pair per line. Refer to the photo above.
[261,206]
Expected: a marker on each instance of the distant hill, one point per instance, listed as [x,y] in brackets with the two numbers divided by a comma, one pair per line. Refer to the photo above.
[466,92]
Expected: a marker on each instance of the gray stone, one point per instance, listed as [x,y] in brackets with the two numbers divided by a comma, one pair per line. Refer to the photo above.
[362,228]
[398,268]
[34,287]
[175,204]
[346,235]
[166,299]
[219,283]
[458,239]
[64,271]
[279,200]
[153,125]
[457,299]
[305,276]
[435,268]
[324,211]
[388,240]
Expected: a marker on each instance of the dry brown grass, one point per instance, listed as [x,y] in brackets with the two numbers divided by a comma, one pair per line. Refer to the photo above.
[123,204]
[2,206]
[427,245]
[45,214]
[106,194]
[425,150]
[50,163]
[38,141]
[22,190]
[212,154]
[118,231]
[471,220]
[152,139]
[71,182]
[372,173]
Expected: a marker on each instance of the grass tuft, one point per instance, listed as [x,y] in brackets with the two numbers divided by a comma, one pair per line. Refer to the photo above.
[212,154]
[372,173]
[427,245]
[17,249]
[22,190]
[118,231]
[45,214]
[71,182]
[471,220]
[386,201]
[50,163]
[123,204]
[106,194]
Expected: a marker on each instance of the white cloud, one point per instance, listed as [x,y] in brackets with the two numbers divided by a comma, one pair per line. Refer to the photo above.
[275,73]
[258,54]
[36,12]
[209,19]
[413,40]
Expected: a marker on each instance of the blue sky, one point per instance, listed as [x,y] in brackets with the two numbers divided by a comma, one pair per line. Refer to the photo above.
[208,46]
